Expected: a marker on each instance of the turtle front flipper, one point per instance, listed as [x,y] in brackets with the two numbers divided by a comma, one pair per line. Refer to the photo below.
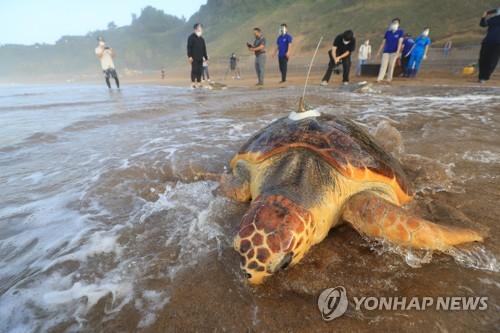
[376,217]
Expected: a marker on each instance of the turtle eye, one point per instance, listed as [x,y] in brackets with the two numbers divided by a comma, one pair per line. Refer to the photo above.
[287,259]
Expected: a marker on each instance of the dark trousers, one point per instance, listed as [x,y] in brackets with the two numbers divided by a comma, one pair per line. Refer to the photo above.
[111,73]
[405,61]
[283,61]
[404,65]
[196,70]
[488,60]
[346,67]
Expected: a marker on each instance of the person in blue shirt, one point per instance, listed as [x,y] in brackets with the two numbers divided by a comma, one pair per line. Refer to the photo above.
[392,44]
[490,47]
[408,43]
[418,53]
[283,49]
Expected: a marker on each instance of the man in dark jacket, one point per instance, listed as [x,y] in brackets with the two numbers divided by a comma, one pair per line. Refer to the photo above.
[343,46]
[490,48]
[196,52]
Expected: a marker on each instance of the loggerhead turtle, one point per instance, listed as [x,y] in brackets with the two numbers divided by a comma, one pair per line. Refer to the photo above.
[305,175]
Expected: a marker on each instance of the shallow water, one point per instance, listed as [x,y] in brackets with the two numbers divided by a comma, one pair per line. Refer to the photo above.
[104,227]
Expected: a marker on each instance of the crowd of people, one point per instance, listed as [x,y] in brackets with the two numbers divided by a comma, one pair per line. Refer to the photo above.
[398,49]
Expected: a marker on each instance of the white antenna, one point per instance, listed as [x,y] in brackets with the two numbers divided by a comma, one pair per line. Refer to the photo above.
[301,102]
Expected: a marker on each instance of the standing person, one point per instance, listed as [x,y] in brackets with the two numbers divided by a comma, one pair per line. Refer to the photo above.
[408,44]
[418,53]
[447,48]
[343,46]
[233,66]
[106,55]
[196,52]
[259,49]
[283,49]
[393,40]
[163,73]
[364,54]
[205,73]
[490,47]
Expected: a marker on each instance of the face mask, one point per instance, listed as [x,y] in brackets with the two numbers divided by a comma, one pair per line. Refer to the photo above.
[425,33]
[345,41]
[367,43]
[283,30]
[198,33]
[101,43]
[394,26]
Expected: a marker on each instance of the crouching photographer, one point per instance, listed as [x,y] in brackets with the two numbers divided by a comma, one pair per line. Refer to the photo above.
[340,54]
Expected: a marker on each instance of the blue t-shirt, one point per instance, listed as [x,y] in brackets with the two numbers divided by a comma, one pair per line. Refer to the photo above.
[408,43]
[283,41]
[392,40]
[421,42]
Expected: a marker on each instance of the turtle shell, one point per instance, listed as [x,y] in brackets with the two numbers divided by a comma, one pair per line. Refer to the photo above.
[342,143]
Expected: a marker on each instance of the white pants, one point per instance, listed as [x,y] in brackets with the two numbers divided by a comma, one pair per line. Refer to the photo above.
[387,66]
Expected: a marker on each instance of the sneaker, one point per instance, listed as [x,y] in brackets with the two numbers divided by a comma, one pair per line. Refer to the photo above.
[482,81]
[260,84]
[282,81]
[323,83]
[345,83]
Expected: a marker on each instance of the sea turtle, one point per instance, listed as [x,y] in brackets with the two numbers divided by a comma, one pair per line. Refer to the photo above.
[307,174]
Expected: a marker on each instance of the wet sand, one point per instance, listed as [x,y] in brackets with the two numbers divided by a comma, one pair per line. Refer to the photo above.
[272,80]
[104,226]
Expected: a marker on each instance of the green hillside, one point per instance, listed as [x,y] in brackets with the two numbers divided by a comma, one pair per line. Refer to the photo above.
[154,39]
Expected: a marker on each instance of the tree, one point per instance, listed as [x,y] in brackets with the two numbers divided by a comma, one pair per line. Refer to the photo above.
[112,26]
[154,20]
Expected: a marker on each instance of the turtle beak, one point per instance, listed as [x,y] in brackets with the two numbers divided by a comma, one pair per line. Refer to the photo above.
[255,277]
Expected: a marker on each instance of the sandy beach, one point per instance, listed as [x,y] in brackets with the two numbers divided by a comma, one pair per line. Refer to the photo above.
[296,80]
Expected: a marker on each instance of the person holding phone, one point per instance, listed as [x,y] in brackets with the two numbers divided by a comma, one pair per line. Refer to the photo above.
[259,49]
[283,49]
[106,55]
[490,47]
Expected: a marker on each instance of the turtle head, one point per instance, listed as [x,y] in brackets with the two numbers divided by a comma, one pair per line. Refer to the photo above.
[274,234]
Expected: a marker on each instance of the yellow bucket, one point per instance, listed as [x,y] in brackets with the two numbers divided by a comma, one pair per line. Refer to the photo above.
[468,70]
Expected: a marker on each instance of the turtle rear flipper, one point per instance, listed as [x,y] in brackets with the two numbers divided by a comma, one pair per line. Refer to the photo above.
[376,217]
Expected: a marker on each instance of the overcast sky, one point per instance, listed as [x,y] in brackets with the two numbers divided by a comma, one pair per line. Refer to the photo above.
[44,21]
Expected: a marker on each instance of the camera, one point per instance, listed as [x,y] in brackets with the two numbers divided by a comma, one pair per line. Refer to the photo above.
[249,45]
[493,11]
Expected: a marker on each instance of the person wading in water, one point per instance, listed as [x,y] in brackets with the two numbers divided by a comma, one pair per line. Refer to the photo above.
[105,55]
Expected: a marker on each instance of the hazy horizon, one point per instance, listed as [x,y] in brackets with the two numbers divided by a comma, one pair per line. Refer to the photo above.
[29,22]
